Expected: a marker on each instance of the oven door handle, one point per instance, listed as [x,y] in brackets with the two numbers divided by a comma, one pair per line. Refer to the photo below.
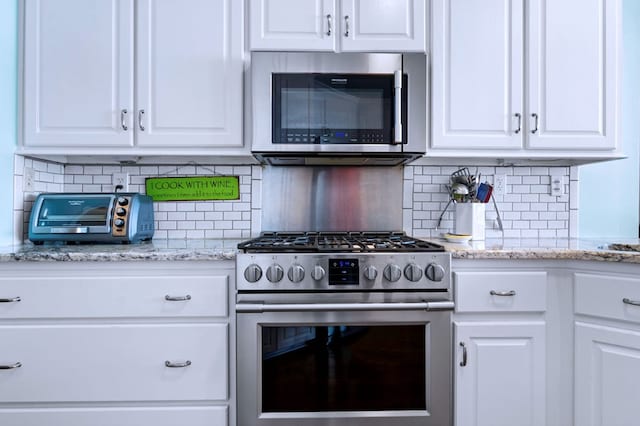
[320,307]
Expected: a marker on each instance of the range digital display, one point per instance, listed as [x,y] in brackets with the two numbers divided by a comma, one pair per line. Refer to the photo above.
[344,272]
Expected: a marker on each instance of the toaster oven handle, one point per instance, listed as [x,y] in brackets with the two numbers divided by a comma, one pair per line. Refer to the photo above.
[75,230]
[321,307]
[397,126]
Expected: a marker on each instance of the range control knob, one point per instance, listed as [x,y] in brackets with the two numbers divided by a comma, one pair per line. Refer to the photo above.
[370,273]
[296,273]
[121,212]
[253,273]
[413,272]
[434,272]
[318,273]
[119,223]
[275,273]
[392,273]
[123,201]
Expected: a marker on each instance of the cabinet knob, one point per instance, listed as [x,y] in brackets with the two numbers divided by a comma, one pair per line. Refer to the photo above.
[123,119]
[329,18]
[11,299]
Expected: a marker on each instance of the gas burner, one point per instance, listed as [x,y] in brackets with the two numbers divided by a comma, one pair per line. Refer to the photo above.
[348,242]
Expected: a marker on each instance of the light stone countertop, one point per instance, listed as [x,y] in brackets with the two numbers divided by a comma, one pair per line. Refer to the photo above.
[155,250]
[226,249]
[551,248]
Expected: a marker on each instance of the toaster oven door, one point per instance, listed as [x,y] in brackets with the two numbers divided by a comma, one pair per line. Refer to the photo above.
[75,215]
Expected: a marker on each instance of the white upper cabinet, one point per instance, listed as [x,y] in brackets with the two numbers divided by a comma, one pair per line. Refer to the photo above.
[78,72]
[292,24]
[573,74]
[189,87]
[477,74]
[338,25]
[516,78]
[80,69]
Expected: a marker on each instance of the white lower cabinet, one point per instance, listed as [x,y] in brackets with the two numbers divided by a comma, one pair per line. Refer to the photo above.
[607,349]
[500,346]
[117,344]
[155,416]
[499,373]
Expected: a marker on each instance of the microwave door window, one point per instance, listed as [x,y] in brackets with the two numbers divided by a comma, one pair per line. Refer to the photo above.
[82,212]
[324,114]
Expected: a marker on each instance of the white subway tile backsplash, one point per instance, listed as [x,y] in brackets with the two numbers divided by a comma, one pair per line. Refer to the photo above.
[527,209]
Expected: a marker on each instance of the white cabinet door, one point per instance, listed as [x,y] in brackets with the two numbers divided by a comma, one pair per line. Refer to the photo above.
[573,74]
[383,26]
[189,76]
[477,69]
[305,25]
[607,373]
[78,73]
[112,416]
[503,381]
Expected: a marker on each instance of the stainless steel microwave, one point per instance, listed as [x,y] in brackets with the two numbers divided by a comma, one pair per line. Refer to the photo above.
[327,108]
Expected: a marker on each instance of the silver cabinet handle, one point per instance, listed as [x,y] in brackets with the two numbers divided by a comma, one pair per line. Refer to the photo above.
[346,25]
[536,122]
[519,117]
[463,363]
[11,366]
[140,117]
[11,300]
[329,18]
[177,298]
[177,364]
[628,301]
[123,119]
[502,293]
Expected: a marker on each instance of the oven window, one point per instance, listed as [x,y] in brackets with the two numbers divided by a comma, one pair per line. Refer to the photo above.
[343,368]
[74,212]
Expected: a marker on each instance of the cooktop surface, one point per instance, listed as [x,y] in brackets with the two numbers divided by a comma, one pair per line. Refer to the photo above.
[354,242]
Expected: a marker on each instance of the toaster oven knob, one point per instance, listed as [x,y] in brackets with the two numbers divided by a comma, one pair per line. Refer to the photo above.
[318,273]
[275,273]
[296,273]
[413,272]
[370,273]
[434,272]
[392,273]
[253,273]
[123,201]
[120,211]
[119,223]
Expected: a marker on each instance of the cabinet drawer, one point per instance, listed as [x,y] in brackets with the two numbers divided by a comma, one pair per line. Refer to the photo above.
[113,296]
[500,291]
[605,296]
[114,362]
[151,416]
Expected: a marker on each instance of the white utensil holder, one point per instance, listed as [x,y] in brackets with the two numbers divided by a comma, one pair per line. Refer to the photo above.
[470,220]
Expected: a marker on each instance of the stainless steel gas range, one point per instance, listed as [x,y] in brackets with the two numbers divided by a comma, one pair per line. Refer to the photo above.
[343,328]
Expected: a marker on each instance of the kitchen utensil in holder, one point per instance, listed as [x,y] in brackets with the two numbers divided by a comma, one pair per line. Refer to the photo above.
[470,219]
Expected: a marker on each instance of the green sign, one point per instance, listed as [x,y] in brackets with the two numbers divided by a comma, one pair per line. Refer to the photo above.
[195,188]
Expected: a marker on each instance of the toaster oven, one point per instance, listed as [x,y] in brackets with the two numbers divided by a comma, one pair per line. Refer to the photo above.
[91,218]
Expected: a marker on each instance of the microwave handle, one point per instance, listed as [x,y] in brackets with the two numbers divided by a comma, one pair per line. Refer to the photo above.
[397,137]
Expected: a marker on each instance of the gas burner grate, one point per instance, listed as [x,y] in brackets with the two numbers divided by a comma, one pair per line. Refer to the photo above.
[351,242]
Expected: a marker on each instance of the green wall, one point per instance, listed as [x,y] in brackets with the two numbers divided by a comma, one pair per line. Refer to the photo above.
[609,192]
[8,113]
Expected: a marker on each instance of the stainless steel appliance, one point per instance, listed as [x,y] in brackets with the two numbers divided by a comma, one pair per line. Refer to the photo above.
[91,217]
[324,108]
[343,328]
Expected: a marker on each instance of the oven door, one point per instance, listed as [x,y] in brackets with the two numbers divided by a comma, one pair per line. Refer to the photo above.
[344,364]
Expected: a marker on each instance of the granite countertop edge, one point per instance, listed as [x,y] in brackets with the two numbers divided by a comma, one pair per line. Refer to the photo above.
[226,249]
